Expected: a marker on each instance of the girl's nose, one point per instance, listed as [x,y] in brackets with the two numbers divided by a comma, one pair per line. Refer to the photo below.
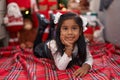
[69,31]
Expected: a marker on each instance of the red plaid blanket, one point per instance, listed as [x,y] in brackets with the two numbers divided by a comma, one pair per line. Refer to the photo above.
[17,64]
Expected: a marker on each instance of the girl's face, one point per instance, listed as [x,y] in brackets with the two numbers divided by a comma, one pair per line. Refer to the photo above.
[70,31]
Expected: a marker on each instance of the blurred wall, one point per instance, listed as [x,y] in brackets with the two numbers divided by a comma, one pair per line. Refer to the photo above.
[112,23]
[3,33]
[2,13]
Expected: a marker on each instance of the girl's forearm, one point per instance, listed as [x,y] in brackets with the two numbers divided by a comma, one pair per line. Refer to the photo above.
[68,51]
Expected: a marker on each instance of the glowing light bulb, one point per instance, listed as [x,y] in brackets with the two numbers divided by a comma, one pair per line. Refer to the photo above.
[26,12]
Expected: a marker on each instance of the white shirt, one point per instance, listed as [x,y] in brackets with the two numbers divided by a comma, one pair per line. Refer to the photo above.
[62,61]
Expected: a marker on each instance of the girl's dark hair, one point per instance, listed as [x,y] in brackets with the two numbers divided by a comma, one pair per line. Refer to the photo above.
[81,55]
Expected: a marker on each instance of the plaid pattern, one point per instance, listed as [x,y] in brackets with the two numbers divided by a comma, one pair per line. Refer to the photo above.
[18,64]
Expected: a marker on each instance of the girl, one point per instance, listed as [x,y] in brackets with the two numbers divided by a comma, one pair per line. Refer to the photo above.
[69,47]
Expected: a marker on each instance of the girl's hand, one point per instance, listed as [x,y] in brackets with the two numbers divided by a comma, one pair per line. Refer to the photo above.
[68,46]
[82,71]
[66,43]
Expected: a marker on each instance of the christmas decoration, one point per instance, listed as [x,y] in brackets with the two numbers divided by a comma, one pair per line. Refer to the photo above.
[88,33]
[14,22]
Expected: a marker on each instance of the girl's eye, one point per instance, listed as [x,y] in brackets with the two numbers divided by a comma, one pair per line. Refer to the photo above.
[64,28]
[75,28]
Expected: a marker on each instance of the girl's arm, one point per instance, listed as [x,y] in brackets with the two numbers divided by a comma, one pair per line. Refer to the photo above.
[61,62]
[89,59]
[83,70]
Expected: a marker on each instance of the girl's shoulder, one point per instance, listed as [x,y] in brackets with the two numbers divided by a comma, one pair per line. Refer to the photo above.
[52,45]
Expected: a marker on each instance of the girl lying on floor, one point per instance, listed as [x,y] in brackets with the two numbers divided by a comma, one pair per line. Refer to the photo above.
[69,47]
